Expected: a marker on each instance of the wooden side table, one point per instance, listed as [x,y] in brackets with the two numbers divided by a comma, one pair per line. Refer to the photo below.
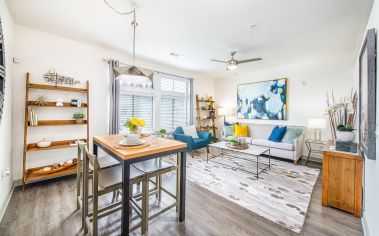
[342,180]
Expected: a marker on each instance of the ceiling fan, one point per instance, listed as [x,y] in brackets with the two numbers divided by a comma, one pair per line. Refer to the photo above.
[232,64]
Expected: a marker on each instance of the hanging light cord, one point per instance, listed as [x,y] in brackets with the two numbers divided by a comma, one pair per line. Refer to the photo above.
[134,24]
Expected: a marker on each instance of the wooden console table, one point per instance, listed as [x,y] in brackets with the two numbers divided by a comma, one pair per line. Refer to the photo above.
[342,181]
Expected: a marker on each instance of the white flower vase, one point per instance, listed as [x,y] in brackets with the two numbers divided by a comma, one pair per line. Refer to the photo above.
[345,136]
[133,137]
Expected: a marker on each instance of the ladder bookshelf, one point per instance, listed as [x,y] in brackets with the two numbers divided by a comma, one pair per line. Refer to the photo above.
[204,115]
[27,173]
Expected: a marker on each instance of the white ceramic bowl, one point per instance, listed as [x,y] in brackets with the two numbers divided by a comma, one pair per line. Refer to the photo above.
[44,144]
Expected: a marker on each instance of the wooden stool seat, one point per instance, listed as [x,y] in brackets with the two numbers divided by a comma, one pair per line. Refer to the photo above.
[154,166]
[111,177]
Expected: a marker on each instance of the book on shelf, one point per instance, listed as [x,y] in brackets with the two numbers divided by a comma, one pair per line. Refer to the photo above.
[33,118]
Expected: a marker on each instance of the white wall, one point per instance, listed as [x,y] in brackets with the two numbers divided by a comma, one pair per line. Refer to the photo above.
[6,123]
[38,52]
[308,83]
[371,173]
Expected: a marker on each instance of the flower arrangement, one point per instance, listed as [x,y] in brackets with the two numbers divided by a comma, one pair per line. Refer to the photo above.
[134,123]
[342,114]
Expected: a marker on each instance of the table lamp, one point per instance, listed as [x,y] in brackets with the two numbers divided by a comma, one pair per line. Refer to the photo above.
[317,124]
[223,111]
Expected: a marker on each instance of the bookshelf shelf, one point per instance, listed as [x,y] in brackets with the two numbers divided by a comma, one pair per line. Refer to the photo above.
[210,118]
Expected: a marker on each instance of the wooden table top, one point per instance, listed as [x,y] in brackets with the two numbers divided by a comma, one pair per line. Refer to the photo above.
[155,145]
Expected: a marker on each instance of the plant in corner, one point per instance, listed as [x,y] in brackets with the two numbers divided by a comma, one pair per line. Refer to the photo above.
[342,116]
[78,117]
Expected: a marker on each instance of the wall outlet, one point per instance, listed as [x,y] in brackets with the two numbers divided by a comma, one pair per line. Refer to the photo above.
[5,173]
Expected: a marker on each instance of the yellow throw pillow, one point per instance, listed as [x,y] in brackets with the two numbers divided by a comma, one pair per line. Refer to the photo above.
[240,130]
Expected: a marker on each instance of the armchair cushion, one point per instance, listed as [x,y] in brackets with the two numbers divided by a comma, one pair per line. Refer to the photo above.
[191,131]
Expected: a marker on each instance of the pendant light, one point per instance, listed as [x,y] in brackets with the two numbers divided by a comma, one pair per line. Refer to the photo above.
[131,73]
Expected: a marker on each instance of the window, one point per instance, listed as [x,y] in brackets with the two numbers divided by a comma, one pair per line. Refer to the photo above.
[165,105]
[136,106]
[173,112]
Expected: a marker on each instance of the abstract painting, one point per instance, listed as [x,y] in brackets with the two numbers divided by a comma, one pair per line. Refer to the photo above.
[265,100]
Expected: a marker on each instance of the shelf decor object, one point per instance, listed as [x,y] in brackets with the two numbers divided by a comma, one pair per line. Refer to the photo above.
[30,175]
[205,115]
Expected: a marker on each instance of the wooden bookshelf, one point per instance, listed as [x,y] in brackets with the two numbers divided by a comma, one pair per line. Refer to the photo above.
[57,123]
[52,104]
[32,147]
[28,176]
[206,112]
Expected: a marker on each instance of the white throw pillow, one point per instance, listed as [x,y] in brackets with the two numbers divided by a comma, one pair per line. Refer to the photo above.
[191,131]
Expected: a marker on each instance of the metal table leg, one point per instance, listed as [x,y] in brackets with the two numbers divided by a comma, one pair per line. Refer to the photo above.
[125,199]
[182,210]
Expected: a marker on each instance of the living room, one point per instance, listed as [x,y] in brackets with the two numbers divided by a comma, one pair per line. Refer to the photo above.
[245,118]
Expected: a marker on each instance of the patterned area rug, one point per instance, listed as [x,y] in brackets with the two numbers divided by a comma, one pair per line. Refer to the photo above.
[281,194]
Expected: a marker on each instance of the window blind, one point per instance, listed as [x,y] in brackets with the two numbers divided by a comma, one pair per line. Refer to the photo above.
[173,112]
[136,106]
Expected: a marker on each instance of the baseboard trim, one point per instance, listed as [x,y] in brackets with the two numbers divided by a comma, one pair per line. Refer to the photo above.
[366,232]
[4,208]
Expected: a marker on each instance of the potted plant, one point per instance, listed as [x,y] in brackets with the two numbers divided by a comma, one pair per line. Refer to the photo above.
[79,117]
[133,125]
[345,133]
[342,116]
[162,132]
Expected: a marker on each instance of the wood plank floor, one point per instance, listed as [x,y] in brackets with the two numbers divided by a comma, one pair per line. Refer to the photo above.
[49,209]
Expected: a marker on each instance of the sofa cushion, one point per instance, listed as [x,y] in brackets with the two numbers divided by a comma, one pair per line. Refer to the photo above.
[228,130]
[191,131]
[291,134]
[271,144]
[277,133]
[240,130]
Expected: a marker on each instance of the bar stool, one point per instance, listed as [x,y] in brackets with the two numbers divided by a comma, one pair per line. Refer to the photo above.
[156,168]
[105,181]
[104,162]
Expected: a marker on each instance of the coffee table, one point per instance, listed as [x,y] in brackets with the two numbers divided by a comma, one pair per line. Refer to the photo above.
[253,151]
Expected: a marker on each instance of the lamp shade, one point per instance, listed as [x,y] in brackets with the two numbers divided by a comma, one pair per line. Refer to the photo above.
[316,123]
[222,111]
[225,111]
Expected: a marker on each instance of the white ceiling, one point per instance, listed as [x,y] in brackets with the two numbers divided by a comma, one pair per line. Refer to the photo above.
[286,31]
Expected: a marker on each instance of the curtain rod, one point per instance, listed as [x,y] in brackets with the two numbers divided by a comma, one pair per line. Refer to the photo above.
[125,64]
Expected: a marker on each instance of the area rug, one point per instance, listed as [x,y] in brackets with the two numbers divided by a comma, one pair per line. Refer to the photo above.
[281,194]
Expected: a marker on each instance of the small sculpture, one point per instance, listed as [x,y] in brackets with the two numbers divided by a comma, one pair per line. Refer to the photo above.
[59,102]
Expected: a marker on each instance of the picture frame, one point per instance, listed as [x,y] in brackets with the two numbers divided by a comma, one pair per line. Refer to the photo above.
[263,100]
[2,71]
[367,96]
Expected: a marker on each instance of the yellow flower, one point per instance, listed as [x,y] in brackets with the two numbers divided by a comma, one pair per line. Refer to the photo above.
[141,123]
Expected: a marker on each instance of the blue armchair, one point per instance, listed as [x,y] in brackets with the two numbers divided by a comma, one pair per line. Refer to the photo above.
[193,144]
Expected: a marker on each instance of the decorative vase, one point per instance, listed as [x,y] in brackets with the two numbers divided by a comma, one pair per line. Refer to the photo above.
[134,136]
[345,136]
[79,121]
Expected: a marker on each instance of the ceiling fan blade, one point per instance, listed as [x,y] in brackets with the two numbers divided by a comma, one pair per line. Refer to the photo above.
[218,61]
[249,60]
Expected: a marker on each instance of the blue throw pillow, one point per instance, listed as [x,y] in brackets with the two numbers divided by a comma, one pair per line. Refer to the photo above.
[227,124]
[292,134]
[277,133]
[228,130]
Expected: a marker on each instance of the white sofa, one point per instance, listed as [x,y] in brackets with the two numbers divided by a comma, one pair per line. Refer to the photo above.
[258,134]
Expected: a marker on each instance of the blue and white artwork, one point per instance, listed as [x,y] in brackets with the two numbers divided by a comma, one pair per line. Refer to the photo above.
[265,100]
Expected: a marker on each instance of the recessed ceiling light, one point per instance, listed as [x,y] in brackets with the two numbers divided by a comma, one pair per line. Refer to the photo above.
[253,26]
[174,54]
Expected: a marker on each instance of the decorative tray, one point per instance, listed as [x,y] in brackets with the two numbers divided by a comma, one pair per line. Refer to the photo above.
[239,146]
[45,172]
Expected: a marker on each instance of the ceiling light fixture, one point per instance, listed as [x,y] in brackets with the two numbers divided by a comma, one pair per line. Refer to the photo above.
[133,72]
